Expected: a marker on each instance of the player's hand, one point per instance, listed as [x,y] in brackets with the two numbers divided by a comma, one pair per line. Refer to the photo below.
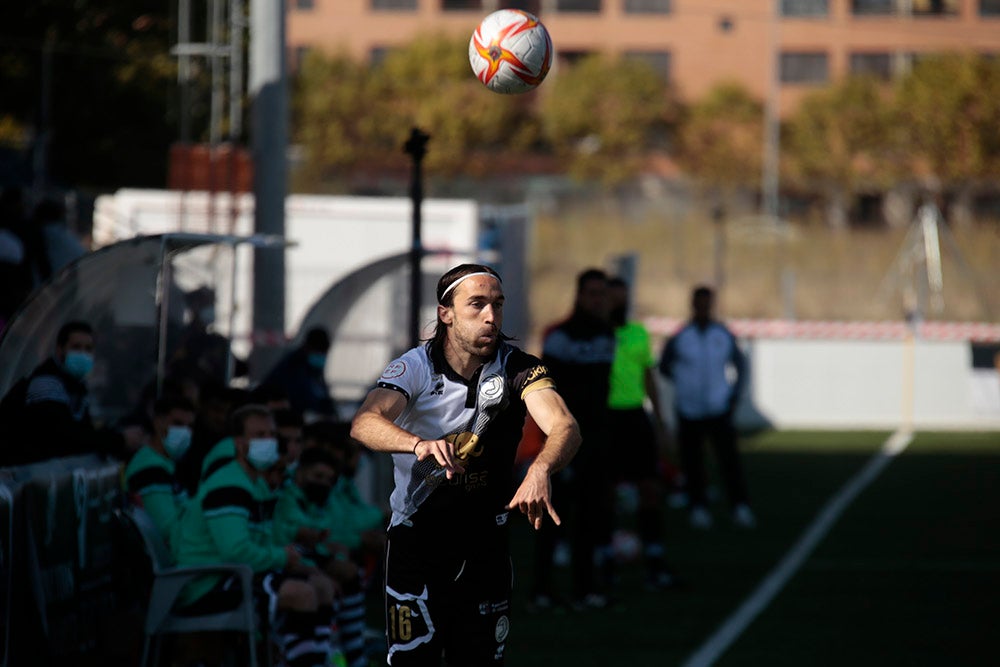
[443,452]
[533,498]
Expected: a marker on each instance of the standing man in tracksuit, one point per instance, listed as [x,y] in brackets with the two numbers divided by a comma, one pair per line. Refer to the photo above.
[696,360]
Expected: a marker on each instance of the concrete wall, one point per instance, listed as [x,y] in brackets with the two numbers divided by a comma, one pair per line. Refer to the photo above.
[857,384]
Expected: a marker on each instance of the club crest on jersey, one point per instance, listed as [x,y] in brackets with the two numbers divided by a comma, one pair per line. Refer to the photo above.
[491,388]
[394,370]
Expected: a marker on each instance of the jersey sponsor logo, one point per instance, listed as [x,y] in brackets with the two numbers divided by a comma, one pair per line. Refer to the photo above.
[535,373]
[466,444]
[394,370]
[438,389]
[471,480]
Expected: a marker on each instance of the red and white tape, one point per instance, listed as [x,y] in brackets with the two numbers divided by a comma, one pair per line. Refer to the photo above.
[980,332]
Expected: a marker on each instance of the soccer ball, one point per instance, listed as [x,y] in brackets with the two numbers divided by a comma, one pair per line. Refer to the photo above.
[510,51]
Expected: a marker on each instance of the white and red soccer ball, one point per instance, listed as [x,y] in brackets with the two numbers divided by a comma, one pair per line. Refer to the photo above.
[510,51]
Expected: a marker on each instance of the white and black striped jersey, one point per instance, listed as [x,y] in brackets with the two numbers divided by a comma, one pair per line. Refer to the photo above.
[483,416]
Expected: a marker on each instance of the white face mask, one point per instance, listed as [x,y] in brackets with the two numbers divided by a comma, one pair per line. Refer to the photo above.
[263,453]
[177,441]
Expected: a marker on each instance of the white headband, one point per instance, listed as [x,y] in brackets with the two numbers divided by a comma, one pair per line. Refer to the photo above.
[468,275]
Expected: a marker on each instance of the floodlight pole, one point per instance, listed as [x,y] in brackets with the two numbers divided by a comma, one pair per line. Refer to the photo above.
[269,93]
[416,148]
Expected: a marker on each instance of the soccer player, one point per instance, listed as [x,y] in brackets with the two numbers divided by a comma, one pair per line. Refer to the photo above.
[578,352]
[696,360]
[451,413]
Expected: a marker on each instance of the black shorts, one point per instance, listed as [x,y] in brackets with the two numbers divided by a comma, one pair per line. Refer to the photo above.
[438,606]
[634,445]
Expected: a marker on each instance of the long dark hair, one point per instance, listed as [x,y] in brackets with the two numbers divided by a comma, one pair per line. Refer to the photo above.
[448,300]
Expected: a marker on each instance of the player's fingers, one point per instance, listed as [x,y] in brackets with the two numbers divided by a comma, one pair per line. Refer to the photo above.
[552,513]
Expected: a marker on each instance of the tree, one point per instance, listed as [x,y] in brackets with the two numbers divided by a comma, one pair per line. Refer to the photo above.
[838,141]
[721,140]
[601,114]
[948,111]
[105,69]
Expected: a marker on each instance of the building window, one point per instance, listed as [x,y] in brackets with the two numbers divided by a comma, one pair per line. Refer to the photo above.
[394,4]
[989,7]
[872,7]
[530,6]
[805,7]
[569,58]
[935,7]
[305,5]
[872,64]
[804,68]
[461,5]
[301,53]
[377,55]
[658,60]
[647,6]
[578,5]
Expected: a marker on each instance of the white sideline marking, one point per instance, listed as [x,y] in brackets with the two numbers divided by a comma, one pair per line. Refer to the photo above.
[733,627]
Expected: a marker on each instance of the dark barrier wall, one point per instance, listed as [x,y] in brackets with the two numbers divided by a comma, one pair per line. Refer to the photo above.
[61,595]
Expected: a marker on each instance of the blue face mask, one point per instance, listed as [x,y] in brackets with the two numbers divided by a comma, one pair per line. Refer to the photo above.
[263,453]
[317,360]
[177,441]
[78,364]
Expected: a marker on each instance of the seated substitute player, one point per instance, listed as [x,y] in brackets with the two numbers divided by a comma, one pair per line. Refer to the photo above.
[306,515]
[150,478]
[451,412]
[229,520]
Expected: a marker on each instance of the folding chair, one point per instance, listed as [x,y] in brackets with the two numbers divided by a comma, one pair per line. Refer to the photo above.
[169,580]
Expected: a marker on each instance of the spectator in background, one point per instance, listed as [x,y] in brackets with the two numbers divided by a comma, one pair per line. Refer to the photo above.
[695,360]
[228,521]
[47,414]
[216,402]
[290,425]
[202,353]
[306,516]
[578,353]
[149,476]
[300,373]
[640,441]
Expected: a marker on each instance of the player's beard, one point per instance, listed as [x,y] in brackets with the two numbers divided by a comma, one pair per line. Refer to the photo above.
[474,343]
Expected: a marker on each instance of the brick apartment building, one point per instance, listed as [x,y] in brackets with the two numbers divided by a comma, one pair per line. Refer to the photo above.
[694,43]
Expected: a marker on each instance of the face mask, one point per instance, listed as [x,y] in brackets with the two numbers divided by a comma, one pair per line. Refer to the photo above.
[207,315]
[263,453]
[177,441]
[317,360]
[291,468]
[79,364]
[316,493]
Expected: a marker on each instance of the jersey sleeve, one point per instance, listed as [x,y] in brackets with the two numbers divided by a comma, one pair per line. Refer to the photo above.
[529,374]
[406,374]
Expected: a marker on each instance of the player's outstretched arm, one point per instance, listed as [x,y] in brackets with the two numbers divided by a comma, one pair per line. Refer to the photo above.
[534,496]
[374,427]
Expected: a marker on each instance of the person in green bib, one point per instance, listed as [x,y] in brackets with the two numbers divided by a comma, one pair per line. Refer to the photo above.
[230,520]
[308,515]
[150,476]
[641,433]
